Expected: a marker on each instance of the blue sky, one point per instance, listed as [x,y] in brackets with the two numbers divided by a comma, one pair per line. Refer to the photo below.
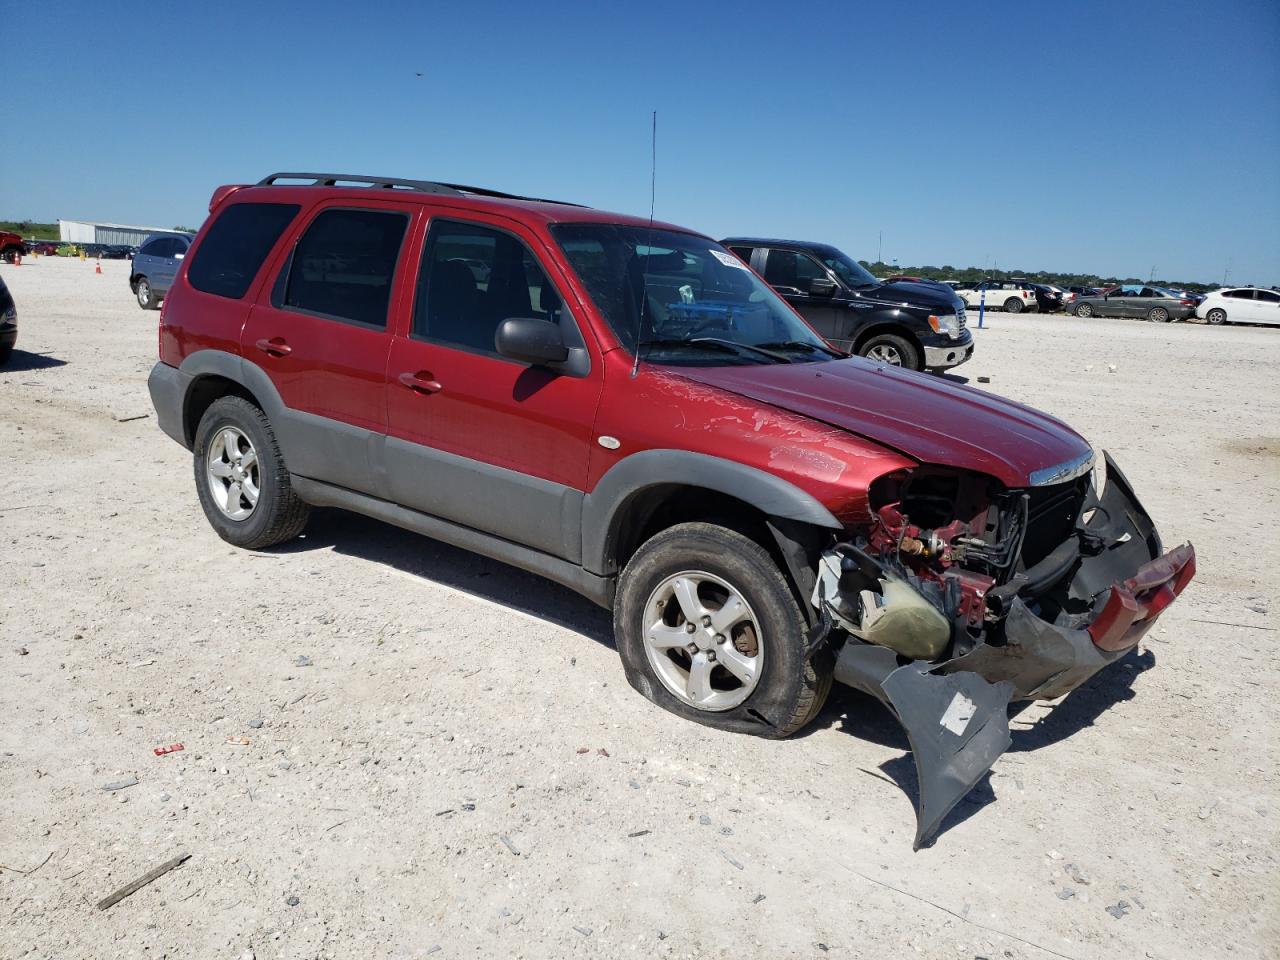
[1094,136]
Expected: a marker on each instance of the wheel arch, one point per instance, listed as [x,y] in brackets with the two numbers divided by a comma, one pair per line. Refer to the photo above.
[634,501]
[215,374]
[893,327]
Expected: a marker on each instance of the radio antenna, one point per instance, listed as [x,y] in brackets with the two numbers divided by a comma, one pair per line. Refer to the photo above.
[644,278]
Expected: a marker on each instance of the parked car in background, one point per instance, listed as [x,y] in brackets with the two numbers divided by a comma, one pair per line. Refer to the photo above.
[1240,305]
[45,248]
[1084,291]
[916,325]
[1007,295]
[11,246]
[1137,300]
[117,251]
[1048,298]
[8,323]
[155,265]
[629,411]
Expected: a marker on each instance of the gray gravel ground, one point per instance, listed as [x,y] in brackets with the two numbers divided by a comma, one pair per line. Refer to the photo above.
[419,788]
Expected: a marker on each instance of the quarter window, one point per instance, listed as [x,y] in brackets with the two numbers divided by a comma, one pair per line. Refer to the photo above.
[343,265]
[235,246]
[472,278]
[1239,294]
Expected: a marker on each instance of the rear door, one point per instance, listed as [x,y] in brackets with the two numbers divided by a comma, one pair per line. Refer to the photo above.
[320,332]
[1266,307]
[476,438]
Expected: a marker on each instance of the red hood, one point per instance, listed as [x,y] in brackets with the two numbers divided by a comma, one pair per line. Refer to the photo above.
[923,416]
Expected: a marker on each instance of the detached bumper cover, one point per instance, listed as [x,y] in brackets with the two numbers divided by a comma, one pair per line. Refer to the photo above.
[955,712]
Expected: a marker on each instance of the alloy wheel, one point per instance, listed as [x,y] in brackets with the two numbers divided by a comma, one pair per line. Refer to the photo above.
[703,640]
[885,353]
[232,473]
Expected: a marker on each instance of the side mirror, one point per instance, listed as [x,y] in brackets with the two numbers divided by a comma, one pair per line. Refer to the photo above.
[819,287]
[530,340]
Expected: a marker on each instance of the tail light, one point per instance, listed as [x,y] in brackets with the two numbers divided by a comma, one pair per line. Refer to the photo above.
[1187,303]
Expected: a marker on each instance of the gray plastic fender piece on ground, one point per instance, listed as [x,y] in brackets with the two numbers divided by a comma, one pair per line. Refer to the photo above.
[957,724]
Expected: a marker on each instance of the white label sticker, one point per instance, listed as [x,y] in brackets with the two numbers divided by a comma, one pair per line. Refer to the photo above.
[728,259]
[959,713]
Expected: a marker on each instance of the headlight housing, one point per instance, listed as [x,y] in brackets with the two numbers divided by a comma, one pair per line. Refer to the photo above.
[947,323]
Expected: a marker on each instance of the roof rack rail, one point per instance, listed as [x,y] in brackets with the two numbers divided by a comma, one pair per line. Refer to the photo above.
[395,183]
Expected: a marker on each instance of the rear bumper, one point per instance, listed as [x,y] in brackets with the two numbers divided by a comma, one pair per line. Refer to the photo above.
[168,387]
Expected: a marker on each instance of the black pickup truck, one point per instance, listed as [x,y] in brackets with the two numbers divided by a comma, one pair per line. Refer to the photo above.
[919,325]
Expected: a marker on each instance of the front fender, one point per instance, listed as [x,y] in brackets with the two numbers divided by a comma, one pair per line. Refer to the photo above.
[605,507]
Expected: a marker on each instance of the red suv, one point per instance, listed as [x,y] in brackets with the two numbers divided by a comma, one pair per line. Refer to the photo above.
[624,407]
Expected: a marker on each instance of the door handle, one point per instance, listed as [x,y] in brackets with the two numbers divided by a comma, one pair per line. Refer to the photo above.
[420,382]
[276,346]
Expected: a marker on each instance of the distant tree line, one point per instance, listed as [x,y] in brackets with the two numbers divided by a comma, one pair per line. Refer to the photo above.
[948,272]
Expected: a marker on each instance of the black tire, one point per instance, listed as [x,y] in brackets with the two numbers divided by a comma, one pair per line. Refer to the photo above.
[791,689]
[147,298]
[11,254]
[5,353]
[1158,315]
[279,514]
[1217,316]
[1083,310]
[888,345]
[1013,305]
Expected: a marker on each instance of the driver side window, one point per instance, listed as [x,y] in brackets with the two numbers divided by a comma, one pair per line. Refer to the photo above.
[791,272]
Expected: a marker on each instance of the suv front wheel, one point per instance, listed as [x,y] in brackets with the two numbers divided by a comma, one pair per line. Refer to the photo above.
[241,478]
[708,628]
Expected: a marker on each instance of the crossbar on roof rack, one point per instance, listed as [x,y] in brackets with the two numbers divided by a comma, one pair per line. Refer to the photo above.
[395,183]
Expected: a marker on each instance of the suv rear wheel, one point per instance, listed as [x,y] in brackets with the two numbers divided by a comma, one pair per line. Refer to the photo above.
[241,478]
[708,628]
[891,349]
[146,296]
[1013,305]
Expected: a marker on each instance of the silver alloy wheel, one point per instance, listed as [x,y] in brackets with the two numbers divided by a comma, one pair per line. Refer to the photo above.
[1159,315]
[144,292]
[232,473]
[703,641]
[1084,310]
[1216,316]
[885,353]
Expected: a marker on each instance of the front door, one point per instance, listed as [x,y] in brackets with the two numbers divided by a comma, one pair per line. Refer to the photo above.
[791,273]
[320,333]
[475,438]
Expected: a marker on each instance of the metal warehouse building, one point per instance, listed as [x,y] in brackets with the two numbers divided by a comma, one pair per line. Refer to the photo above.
[84,231]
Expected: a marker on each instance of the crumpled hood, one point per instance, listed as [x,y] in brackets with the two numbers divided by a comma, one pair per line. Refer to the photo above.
[923,416]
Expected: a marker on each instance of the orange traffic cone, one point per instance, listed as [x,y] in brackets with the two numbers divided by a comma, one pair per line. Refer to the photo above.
[17,259]
[97,266]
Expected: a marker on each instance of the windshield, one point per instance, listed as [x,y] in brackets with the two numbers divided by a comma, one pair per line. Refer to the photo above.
[849,270]
[685,299]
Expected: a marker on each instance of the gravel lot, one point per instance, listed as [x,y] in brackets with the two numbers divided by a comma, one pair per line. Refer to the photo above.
[443,757]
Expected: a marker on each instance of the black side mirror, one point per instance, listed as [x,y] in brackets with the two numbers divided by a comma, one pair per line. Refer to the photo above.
[530,340]
[820,287]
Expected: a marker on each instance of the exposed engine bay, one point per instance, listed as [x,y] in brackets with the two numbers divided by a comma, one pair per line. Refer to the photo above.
[962,596]
[947,552]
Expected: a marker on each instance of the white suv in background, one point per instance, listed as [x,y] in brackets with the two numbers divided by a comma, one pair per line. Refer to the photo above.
[1007,295]
[1240,305]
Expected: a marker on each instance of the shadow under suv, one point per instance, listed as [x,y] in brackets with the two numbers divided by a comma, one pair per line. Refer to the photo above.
[623,407]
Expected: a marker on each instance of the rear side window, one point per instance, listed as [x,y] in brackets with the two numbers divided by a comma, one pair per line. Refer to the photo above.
[235,246]
[343,265]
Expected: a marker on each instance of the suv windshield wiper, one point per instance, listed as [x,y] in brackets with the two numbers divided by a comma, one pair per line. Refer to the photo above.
[715,343]
[801,345]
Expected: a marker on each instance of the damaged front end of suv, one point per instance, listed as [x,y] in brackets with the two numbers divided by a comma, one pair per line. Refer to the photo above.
[962,596]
